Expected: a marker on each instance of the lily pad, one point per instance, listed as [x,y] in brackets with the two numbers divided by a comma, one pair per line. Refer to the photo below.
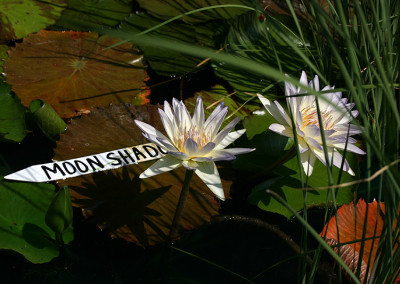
[138,210]
[81,14]
[288,186]
[74,71]
[22,221]
[271,147]
[168,9]
[3,55]
[19,18]
[12,115]
[166,62]
[348,229]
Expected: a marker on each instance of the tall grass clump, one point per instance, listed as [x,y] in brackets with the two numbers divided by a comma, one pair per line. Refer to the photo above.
[354,45]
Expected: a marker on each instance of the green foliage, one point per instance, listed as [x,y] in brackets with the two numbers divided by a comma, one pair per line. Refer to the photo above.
[86,14]
[22,221]
[270,145]
[289,185]
[12,116]
[168,9]
[47,119]
[19,18]
[3,54]
[169,62]
[59,215]
[255,39]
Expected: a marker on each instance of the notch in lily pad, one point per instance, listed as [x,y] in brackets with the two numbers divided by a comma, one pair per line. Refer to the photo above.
[49,122]
[59,215]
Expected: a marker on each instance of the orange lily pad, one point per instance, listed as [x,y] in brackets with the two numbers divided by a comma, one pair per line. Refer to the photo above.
[138,210]
[74,71]
[351,220]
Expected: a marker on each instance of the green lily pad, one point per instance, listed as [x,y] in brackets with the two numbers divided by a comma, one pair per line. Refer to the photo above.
[19,18]
[22,221]
[271,147]
[288,186]
[12,115]
[168,9]
[84,14]
[74,71]
[166,62]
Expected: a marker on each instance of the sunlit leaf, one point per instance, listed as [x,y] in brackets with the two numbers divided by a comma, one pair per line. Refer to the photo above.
[167,62]
[217,95]
[19,18]
[288,186]
[138,210]
[12,115]
[168,9]
[81,13]
[23,208]
[73,71]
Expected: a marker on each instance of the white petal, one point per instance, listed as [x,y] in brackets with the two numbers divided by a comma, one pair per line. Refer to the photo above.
[168,110]
[350,148]
[165,164]
[147,128]
[215,112]
[221,155]
[208,172]
[165,143]
[206,149]
[313,143]
[281,129]
[191,147]
[303,78]
[308,161]
[283,113]
[168,124]
[221,135]
[186,120]
[273,110]
[212,125]
[198,116]
[230,138]
[238,151]
[179,155]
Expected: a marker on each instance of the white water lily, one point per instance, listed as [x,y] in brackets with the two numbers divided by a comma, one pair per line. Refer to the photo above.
[336,115]
[193,142]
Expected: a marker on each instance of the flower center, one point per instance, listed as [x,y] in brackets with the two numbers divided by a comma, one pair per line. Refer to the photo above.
[196,135]
[310,117]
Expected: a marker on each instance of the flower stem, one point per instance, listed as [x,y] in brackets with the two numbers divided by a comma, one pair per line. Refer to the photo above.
[180,207]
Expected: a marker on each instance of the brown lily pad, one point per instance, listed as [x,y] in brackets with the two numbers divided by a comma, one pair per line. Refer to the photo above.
[74,71]
[138,210]
[351,220]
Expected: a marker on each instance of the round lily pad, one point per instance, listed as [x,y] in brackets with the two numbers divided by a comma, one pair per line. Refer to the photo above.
[19,18]
[138,210]
[74,71]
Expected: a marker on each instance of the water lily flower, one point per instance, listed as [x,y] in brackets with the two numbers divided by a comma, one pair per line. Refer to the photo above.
[336,115]
[193,142]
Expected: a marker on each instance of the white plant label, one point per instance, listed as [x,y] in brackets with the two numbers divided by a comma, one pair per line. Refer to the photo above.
[89,164]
